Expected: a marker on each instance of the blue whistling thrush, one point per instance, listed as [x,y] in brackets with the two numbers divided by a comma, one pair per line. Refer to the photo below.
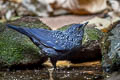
[55,43]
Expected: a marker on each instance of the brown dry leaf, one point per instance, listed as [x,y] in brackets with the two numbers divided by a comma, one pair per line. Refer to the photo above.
[59,63]
[79,6]
[92,63]
[69,64]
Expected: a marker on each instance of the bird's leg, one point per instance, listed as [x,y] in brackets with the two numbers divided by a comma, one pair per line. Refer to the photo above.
[53,61]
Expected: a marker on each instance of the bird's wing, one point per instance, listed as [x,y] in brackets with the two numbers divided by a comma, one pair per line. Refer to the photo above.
[45,37]
[38,35]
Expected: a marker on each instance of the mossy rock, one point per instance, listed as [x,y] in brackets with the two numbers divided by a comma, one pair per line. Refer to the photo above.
[16,48]
[110,47]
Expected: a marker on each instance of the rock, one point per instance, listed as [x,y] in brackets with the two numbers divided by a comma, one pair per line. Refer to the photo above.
[114,76]
[17,49]
[90,49]
[103,22]
[110,47]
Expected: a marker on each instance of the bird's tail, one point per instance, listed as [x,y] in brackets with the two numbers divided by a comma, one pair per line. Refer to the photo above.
[19,29]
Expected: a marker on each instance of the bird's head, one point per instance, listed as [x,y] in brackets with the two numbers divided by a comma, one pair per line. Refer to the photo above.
[76,28]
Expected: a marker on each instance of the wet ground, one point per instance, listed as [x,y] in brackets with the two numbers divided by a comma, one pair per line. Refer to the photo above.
[82,71]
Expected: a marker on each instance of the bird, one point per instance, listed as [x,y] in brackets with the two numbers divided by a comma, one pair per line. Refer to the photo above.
[54,43]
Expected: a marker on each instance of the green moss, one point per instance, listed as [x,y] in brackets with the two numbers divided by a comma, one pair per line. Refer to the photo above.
[2,27]
[91,34]
[9,49]
[14,45]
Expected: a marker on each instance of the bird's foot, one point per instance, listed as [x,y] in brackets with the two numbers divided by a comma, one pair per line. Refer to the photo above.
[53,61]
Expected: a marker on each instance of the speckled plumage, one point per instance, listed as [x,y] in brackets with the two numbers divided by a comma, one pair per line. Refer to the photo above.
[55,43]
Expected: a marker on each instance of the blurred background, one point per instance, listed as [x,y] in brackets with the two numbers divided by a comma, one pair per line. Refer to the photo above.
[47,8]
